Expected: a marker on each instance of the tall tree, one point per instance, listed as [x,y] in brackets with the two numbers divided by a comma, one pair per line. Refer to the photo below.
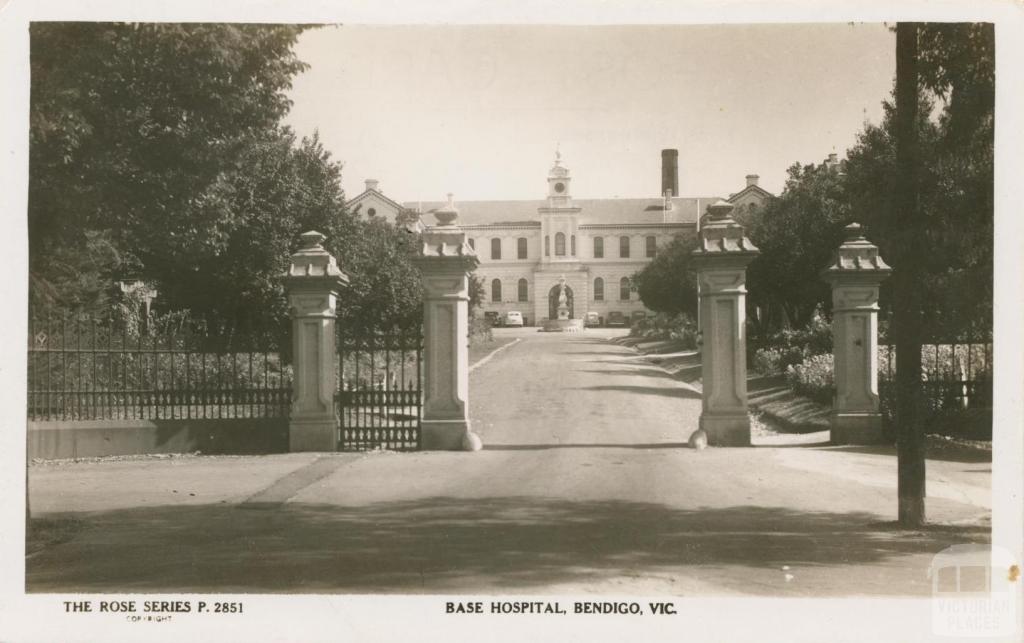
[938,221]
[137,132]
[796,233]
[157,150]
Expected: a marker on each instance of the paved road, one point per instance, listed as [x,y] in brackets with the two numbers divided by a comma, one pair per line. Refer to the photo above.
[578,390]
[583,487]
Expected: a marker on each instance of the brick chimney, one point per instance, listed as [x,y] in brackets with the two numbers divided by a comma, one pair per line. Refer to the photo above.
[371,184]
[670,172]
[752,179]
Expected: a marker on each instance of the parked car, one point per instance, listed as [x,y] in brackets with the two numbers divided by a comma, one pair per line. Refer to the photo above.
[493,317]
[592,319]
[514,318]
[615,318]
[638,315]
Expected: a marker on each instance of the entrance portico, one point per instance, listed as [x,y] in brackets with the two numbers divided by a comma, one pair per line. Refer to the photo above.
[576,290]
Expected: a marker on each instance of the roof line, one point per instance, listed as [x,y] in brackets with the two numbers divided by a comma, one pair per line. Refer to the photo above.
[362,194]
[749,188]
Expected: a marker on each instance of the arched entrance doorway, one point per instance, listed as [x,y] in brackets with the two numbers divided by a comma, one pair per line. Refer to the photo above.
[553,302]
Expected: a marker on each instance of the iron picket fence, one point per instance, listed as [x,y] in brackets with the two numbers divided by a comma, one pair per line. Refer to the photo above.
[956,382]
[82,368]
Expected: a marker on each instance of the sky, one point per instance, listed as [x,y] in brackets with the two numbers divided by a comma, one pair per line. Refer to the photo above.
[479,110]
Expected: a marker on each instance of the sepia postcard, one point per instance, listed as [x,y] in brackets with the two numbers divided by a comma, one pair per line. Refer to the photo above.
[512,321]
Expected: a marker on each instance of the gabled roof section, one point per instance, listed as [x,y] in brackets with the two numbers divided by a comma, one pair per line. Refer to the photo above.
[755,189]
[592,211]
[365,193]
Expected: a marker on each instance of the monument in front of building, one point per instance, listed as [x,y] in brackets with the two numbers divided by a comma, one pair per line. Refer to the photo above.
[563,305]
[562,322]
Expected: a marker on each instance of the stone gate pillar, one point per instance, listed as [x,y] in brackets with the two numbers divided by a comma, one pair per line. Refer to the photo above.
[855,274]
[313,283]
[721,261]
[445,261]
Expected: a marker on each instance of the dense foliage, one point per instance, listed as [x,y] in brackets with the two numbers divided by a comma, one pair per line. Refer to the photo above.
[157,152]
[798,230]
[668,284]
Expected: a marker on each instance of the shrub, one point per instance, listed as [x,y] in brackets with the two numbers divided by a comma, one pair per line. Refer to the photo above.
[813,378]
[771,361]
[813,339]
[686,333]
[480,331]
[679,327]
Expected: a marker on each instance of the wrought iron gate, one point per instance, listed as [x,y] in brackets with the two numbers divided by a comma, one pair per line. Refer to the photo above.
[379,399]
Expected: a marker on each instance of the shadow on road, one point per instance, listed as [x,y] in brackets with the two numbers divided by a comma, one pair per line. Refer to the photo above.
[933,451]
[542,447]
[630,370]
[673,391]
[448,544]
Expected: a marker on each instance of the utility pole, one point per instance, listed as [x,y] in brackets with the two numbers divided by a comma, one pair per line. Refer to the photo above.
[907,318]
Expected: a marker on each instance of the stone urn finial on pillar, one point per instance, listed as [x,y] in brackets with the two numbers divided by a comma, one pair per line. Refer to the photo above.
[445,261]
[855,274]
[313,282]
[721,260]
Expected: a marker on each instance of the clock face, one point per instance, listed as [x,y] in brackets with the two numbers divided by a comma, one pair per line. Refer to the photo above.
[559,187]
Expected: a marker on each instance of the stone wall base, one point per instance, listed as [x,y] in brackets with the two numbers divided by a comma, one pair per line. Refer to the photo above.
[726,430]
[856,428]
[313,434]
[446,435]
[98,438]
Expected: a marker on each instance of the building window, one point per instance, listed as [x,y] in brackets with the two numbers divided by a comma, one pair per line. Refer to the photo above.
[598,247]
[496,290]
[624,247]
[521,247]
[572,245]
[472,243]
[547,246]
[372,212]
[624,289]
[652,247]
[559,245]
[524,290]
[495,248]
[599,289]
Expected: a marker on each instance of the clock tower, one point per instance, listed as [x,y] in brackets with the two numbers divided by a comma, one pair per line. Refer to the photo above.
[560,271]
[559,218]
[558,184]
